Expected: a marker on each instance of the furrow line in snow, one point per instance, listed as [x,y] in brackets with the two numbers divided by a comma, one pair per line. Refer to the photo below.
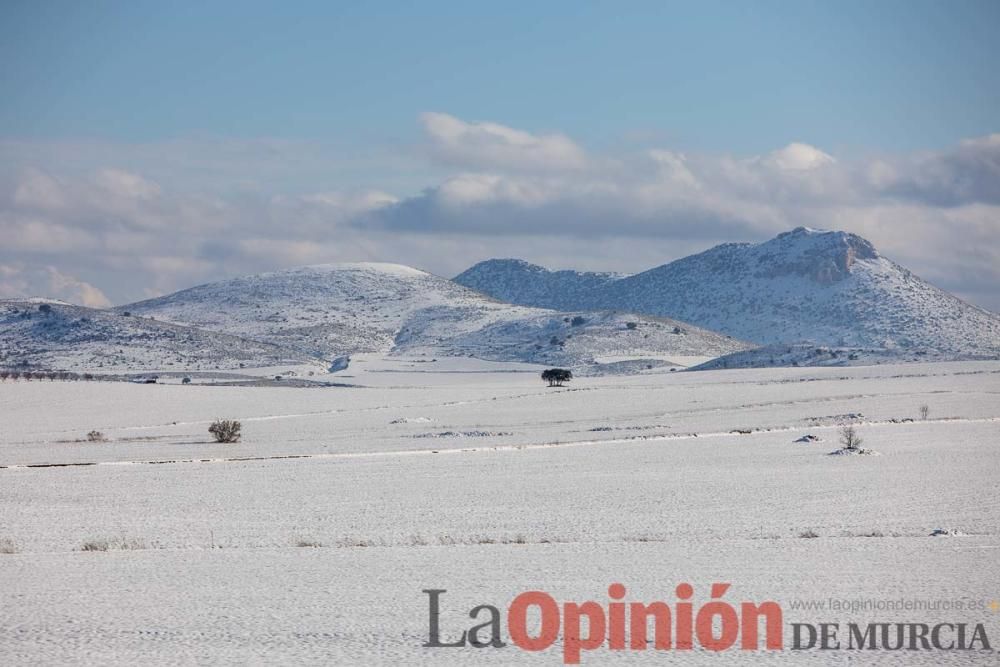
[487,448]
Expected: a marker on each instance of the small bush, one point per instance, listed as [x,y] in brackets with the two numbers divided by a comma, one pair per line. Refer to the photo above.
[631,326]
[7,546]
[808,534]
[225,430]
[96,436]
[577,321]
[850,438]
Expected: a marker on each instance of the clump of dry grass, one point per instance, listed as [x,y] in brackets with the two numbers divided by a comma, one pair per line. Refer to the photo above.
[113,544]
[307,542]
[349,542]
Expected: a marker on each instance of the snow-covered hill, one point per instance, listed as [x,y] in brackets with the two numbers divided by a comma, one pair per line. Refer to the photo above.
[52,335]
[829,288]
[517,281]
[334,309]
[326,310]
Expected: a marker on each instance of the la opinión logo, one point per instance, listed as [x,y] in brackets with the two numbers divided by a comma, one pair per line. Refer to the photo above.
[715,625]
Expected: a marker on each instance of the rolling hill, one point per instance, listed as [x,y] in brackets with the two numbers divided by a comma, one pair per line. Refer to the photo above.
[38,333]
[330,310]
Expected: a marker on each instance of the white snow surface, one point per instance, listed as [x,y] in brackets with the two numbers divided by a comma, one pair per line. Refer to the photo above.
[648,480]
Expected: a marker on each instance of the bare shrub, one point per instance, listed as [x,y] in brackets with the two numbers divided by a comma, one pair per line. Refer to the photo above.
[809,534]
[96,436]
[225,430]
[850,439]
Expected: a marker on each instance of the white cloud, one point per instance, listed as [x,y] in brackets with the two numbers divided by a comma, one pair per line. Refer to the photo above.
[492,145]
[122,184]
[37,189]
[798,157]
[47,281]
[513,193]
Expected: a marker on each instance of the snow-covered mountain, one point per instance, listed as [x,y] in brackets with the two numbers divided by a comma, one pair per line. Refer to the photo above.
[517,281]
[325,311]
[826,287]
[52,335]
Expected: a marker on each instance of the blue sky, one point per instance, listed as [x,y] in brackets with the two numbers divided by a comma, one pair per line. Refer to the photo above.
[290,123]
[732,76]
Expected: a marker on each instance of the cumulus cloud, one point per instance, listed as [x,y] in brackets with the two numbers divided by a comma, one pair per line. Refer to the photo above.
[967,173]
[48,282]
[507,192]
[493,145]
[798,157]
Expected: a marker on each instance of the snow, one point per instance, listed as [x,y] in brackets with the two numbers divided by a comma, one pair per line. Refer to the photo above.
[649,480]
[315,316]
[828,288]
[398,270]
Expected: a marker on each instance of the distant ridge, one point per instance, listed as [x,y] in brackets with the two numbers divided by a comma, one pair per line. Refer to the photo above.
[517,281]
[314,315]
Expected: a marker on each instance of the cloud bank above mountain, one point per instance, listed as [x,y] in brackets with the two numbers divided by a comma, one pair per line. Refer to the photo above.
[118,222]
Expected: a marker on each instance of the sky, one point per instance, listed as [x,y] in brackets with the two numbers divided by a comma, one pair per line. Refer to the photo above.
[149,146]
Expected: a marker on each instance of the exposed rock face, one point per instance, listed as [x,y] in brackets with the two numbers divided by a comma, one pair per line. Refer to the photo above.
[824,257]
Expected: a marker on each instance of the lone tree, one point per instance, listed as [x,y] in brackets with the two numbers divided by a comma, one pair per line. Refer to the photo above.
[850,438]
[556,376]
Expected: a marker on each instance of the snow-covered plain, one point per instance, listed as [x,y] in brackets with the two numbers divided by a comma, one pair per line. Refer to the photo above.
[476,478]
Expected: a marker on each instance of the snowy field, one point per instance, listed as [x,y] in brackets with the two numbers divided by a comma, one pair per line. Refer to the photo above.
[310,541]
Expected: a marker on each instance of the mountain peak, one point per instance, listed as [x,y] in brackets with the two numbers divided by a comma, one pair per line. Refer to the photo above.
[824,256]
[521,282]
[507,263]
[386,268]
